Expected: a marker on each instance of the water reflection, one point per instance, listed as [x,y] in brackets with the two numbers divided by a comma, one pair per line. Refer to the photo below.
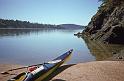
[22,45]
[27,46]
[18,32]
[103,51]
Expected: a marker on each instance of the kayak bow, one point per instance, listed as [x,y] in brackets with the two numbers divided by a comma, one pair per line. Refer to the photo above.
[44,70]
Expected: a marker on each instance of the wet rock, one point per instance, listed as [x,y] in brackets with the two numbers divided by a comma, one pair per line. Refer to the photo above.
[120,58]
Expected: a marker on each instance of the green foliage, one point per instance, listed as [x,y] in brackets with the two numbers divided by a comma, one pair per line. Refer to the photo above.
[103,0]
[24,24]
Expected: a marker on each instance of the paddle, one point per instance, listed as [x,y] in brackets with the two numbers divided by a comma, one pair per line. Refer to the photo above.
[7,72]
[19,77]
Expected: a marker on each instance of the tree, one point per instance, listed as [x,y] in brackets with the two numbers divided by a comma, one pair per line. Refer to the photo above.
[102,0]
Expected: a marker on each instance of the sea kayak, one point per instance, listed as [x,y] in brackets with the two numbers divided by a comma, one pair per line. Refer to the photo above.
[44,70]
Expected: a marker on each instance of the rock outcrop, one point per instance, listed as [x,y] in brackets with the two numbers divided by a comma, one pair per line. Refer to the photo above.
[107,25]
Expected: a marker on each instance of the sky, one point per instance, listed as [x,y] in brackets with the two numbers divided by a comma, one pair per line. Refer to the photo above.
[49,11]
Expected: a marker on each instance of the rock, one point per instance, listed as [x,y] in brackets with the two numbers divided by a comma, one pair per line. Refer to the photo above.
[114,53]
[107,25]
[120,58]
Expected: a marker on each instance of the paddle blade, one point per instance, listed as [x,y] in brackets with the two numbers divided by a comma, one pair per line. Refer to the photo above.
[19,77]
[4,73]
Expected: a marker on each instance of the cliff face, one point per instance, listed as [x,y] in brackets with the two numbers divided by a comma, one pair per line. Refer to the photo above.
[107,25]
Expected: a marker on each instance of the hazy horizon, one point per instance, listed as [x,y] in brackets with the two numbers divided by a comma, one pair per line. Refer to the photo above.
[49,11]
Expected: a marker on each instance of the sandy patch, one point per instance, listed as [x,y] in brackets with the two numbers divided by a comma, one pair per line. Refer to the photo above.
[93,71]
[5,67]
[90,71]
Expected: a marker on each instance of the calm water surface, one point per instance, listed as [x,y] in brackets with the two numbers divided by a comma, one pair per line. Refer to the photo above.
[31,47]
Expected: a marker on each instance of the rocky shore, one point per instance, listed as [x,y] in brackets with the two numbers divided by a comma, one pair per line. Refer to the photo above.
[90,71]
[105,31]
[107,25]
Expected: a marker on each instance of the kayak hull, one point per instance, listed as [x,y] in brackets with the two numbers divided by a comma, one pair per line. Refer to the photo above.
[46,69]
[39,76]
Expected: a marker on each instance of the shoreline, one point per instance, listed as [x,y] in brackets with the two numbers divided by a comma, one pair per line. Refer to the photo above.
[88,71]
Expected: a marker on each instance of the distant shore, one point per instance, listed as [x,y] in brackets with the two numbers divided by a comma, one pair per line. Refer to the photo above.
[89,71]
[22,28]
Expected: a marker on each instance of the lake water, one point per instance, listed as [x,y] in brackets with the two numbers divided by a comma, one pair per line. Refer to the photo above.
[32,47]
